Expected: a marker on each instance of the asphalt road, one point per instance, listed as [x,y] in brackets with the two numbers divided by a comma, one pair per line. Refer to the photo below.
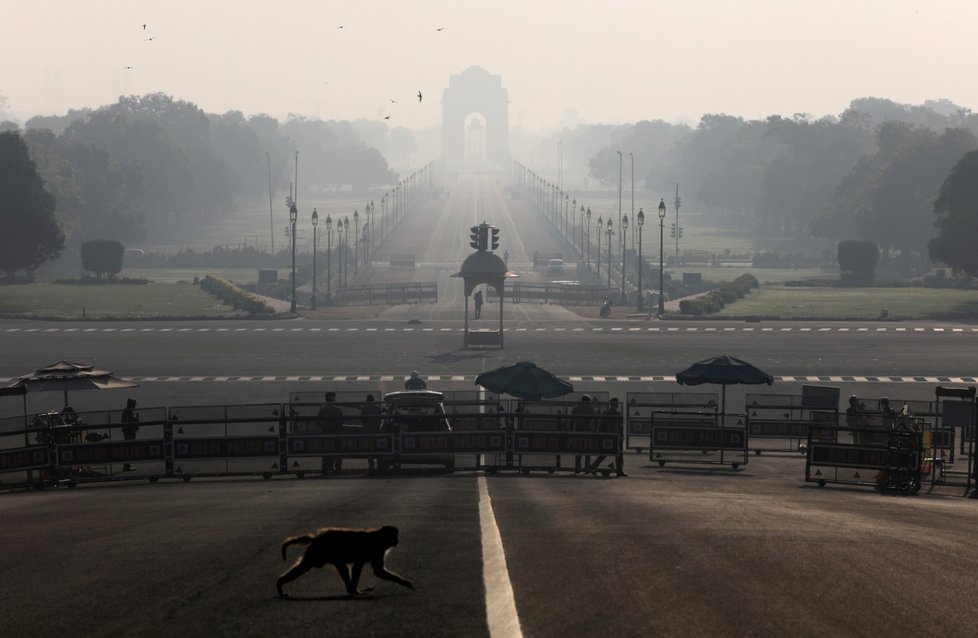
[665,551]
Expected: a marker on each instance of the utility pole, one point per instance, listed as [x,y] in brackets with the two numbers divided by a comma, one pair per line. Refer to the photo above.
[677,203]
[271,218]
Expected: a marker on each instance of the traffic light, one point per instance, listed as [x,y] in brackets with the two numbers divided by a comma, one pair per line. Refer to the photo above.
[680,232]
[672,230]
[495,238]
[474,237]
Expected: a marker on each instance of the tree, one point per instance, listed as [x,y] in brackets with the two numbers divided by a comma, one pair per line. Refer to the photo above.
[887,196]
[102,256]
[956,211]
[30,234]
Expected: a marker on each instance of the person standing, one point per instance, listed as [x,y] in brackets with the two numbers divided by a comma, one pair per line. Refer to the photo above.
[582,418]
[609,422]
[370,419]
[477,297]
[331,422]
[130,426]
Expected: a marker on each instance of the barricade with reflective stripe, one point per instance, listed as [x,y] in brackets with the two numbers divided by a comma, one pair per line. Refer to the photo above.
[687,408]
[676,443]
[847,458]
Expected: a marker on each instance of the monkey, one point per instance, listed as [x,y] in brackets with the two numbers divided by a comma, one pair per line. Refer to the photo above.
[342,547]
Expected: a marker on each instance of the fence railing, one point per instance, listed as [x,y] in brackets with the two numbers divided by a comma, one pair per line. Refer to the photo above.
[556,293]
[387,294]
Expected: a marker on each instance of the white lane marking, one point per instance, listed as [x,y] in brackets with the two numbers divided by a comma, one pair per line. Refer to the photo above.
[501,614]
[523,329]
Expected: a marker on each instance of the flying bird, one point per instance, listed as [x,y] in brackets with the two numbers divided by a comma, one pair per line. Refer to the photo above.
[393,101]
[387,117]
[440,29]
[419,95]
[340,27]
[148,39]
[127,67]
[144,27]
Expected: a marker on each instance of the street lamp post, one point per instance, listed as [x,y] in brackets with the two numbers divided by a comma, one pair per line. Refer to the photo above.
[662,220]
[315,242]
[582,239]
[624,238]
[356,243]
[588,216]
[598,260]
[620,161]
[573,216]
[563,217]
[293,215]
[609,232]
[632,157]
[383,218]
[329,261]
[345,253]
[641,222]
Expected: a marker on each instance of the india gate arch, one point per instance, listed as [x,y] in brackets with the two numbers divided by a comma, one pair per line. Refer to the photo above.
[475,91]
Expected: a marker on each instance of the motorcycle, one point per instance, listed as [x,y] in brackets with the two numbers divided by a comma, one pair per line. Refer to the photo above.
[606,308]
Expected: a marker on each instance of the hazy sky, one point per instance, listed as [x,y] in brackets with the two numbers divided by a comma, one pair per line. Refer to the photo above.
[610,61]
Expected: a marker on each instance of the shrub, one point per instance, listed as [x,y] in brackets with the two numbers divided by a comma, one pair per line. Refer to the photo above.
[230,294]
[858,259]
[102,256]
[715,300]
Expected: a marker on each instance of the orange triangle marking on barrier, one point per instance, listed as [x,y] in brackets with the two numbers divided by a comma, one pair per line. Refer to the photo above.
[274,466]
[295,464]
[740,421]
[818,472]
[856,475]
[179,430]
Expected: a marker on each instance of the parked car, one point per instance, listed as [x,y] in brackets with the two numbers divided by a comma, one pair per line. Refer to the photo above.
[416,411]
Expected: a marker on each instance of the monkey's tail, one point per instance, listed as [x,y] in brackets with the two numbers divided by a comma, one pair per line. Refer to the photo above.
[304,539]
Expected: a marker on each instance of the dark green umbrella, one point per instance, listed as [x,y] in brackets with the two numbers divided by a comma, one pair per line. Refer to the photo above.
[723,370]
[524,380]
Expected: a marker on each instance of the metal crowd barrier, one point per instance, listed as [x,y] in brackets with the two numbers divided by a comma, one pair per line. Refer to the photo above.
[563,294]
[388,294]
[275,439]
[856,456]
[673,441]
[686,408]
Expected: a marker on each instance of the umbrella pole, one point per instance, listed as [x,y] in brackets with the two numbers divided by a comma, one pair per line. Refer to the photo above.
[723,403]
[66,398]
[723,410]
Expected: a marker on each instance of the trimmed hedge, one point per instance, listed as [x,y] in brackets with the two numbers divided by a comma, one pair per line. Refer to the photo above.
[715,300]
[230,294]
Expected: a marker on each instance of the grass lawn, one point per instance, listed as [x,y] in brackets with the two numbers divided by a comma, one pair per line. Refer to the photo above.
[855,303]
[149,301]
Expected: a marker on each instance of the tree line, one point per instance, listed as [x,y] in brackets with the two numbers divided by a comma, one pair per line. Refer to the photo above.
[872,173]
[147,165]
